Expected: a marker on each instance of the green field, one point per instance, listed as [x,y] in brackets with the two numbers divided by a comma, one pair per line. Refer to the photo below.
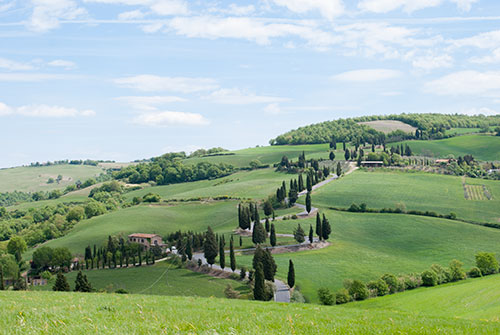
[472,299]
[365,246]
[258,184]
[79,313]
[267,155]
[414,191]
[482,147]
[461,131]
[159,279]
[33,179]
[158,219]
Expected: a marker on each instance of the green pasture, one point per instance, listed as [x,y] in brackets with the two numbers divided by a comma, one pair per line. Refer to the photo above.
[160,279]
[411,190]
[84,313]
[482,147]
[33,179]
[365,246]
[267,154]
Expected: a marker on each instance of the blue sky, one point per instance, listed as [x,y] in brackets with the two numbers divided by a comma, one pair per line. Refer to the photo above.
[131,79]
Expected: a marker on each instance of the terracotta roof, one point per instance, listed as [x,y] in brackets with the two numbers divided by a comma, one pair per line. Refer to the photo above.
[144,235]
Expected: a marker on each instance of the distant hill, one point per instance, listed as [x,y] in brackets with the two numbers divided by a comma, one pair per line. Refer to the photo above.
[431,126]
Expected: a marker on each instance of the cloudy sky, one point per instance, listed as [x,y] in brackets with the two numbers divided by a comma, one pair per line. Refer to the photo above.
[130,79]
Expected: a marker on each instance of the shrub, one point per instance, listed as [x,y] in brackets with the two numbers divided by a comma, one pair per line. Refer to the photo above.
[231,293]
[151,197]
[392,282]
[121,291]
[456,271]
[379,287]
[412,281]
[358,290]
[297,297]
[429,278]
[326,297]
[243,273]
[443,275]
[342,297]
[474,272]
[487,263]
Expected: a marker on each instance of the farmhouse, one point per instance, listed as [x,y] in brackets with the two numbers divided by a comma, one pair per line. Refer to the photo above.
[147,240]
[372,163]
[443,161]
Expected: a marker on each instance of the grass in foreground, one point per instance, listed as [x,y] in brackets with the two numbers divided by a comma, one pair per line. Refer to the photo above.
[76,313]
[365,246]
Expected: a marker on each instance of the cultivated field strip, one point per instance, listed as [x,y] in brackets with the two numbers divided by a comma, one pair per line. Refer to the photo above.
[476,192]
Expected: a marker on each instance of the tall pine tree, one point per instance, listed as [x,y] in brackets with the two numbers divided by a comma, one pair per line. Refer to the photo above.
[210,246]
[272,237]
[319,230]
[259,290]
[222,255]
[325,228]
[308,202]
[311,234]
[232,257]
[61,283]
[291,274]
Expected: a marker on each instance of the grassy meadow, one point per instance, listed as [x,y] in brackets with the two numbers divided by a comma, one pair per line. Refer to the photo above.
[160,279]
[33,179]
[365,246]
[267,154]
[414,191]
[257,184]
[482,147]
[77,313]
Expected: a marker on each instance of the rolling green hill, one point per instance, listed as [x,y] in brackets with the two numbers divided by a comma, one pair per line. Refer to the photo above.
[365,246]
[33,179]
[414,191]
[160,279]
[482,147]
[77,313]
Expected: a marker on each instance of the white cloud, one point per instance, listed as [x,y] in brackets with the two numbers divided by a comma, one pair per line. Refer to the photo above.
[149,102]
[367,75]
[134,14]
[44,111]
[234,96]
[168,118]
[409,6]
[487,40]
[273,109]
[391,93]
[234,9]
[327,8]
[66,64]
[13,65]
[494,57]
[485,84]
[48,13]
[257,30]
[431,62]
[477,111]
[159,7]
[7,6]
[151,83]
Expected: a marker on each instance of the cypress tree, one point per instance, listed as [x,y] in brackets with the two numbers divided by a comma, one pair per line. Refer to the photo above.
[126,258]
[232,257]
[268,228]
[222,254]
[332,155]
[301,183]
[269,265]
[326,229]
[299,234]
[347,155]
[272,237]
[259,233]
[2,286]
[309,182]
[311,234]
[210,246]
[319,230]
[268,208]
[88,256]
[82,284]
[252,212]
[259,284]
[283,186]
[291,274]
[247,217]
[343,142]
[256,214]
[241,241]
[189,248]
[239,216]
[111,245]
[308,202]
[140,257]
[339,169]
[61,283]
[373,147]
[258,257]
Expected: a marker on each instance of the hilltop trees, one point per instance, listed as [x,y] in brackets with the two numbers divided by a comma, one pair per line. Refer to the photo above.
[210,246]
